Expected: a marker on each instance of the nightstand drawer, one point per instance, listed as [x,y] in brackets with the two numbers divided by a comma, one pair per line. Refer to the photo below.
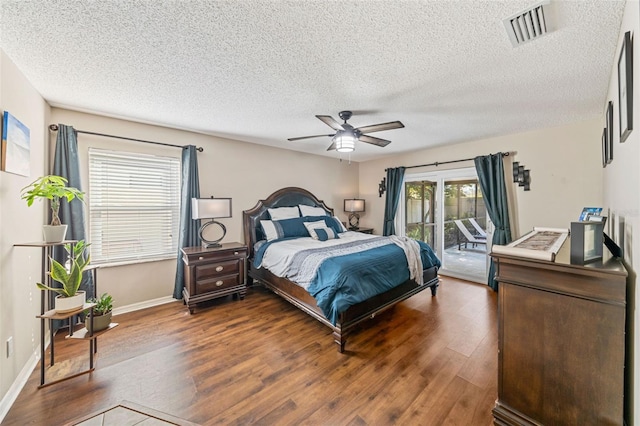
[219,269]
[208,257]
[217,283]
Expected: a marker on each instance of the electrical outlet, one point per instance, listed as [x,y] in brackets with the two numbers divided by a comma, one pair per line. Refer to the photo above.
[9,346]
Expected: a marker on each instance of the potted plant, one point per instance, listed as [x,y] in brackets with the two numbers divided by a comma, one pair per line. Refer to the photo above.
[69,297]
[53,188]
[101,313]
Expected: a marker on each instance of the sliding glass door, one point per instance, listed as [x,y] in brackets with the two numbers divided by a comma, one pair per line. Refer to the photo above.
[446,210]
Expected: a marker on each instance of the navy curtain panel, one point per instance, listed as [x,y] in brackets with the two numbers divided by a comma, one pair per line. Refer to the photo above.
[490,171]
[66,163]
[395,177]
[188,232]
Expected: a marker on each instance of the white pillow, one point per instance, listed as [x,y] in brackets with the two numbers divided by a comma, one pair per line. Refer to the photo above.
[314,225]
[312,211]
[284,213]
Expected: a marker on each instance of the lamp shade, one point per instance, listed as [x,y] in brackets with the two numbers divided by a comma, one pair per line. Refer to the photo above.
[345,141]
[210,208]
[354,205]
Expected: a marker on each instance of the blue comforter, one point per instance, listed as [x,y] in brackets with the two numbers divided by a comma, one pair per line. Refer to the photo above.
[343,281]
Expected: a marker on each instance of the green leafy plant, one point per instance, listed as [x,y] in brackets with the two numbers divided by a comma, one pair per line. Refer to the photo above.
[104,304]
[71,278]
[53,188]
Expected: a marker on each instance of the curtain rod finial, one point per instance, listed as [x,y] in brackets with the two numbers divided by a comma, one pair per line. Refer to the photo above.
[53,127]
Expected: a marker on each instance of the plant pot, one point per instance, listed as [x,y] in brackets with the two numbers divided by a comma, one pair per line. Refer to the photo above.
[100,322]
[54,233]
[69,304]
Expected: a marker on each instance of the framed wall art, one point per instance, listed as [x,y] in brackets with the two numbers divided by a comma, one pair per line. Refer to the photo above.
[605,148]
[625,87]
[16,146]
[609,130]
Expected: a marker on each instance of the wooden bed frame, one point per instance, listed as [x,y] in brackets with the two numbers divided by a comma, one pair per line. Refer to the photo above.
[297,295]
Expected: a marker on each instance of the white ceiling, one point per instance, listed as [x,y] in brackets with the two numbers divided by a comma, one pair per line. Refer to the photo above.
[260,70]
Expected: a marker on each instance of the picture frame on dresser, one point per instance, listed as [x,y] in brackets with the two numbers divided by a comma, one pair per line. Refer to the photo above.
[625,87]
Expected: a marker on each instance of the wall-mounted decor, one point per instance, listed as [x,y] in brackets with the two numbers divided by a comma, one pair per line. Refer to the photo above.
[605,148]
[625,87]
[382,187]
[609,130]
[15,155]
[521,176]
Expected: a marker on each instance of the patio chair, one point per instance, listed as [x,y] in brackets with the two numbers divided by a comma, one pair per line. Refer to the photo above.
[468,237]
[481,232]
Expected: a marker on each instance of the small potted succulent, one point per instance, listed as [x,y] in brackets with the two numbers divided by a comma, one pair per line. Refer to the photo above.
[69,297]
[101,313]
[52,188]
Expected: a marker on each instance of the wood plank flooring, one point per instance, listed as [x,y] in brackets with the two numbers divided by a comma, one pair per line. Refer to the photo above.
[427,361]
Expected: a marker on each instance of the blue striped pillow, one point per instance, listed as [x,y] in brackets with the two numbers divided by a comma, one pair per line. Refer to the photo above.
[325,234]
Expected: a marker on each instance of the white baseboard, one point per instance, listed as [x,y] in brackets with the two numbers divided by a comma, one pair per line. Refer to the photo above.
[143,305]
[15,389]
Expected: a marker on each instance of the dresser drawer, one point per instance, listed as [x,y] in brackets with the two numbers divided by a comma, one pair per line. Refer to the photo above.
[219,269]
[217,283]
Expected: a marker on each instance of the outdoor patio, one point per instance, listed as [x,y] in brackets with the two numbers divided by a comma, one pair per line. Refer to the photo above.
[471,262]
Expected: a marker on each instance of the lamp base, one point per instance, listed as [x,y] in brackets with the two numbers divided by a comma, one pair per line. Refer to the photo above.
[212,243]
[354,221]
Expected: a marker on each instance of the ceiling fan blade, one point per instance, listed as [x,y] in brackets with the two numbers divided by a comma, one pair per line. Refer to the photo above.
[373,140]
[309,137]
[330,121]
[332,147]
[380,127]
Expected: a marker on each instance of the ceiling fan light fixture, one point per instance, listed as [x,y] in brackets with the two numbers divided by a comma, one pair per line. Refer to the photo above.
[345,141]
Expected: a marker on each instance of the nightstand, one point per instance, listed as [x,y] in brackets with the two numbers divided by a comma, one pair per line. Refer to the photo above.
[213,272]
[365,230]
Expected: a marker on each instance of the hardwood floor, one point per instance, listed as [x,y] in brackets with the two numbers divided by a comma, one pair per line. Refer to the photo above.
[427,361]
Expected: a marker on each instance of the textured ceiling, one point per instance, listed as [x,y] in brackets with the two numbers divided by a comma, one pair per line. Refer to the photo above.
[260,70]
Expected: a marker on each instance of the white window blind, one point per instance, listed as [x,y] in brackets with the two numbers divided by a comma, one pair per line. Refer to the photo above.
[134,206]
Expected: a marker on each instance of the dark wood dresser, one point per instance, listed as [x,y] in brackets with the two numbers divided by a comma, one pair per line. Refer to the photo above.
[213,272]
[561,350]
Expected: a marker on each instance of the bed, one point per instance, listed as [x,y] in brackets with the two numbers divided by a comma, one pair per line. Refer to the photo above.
[341,323]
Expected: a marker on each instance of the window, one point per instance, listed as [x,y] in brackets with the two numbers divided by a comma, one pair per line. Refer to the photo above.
[134,206]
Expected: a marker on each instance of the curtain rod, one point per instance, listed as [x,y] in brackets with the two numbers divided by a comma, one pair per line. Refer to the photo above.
[54,128]
[437,163]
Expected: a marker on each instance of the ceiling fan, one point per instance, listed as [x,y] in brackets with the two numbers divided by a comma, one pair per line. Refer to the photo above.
[345,137]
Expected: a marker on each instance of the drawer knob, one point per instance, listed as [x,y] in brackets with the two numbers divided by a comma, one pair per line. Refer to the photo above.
[235,252]
[219,283]
[219,268]
[201,258]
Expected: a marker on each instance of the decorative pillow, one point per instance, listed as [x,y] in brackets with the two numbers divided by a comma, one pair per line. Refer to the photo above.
[281,213]
[340,227]
[312,211]
[311,226]
[325,234]
[276,229]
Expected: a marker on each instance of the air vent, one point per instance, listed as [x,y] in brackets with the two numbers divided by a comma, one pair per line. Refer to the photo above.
[528,25]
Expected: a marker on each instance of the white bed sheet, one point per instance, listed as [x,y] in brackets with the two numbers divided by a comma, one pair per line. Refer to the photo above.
[277,257]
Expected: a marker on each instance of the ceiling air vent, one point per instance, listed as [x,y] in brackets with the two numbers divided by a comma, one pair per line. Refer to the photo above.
[528,25]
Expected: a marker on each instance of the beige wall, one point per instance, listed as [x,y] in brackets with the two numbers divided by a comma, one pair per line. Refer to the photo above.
[565,164]
[245,172]
[621,188]
[20,266]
